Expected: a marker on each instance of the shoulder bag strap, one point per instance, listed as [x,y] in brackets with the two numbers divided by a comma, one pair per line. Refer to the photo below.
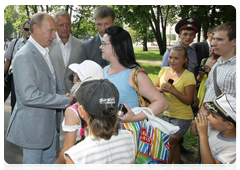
[216,87]
[12,54]
[136,70]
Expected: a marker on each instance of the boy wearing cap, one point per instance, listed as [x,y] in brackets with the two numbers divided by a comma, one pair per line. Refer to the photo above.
[106,143]
[218,142]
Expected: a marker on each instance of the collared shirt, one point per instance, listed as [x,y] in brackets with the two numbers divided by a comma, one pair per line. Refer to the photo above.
[65,49]
[226,79]
[208,43]
[191,55]
[45,53]
[21,42]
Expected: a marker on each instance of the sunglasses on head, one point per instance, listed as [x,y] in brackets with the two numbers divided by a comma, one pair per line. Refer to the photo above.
[26,29]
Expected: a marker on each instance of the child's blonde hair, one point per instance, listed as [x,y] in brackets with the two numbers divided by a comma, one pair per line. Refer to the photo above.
[184,52]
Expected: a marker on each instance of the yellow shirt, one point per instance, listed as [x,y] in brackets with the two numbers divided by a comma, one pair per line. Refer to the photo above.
[177,109]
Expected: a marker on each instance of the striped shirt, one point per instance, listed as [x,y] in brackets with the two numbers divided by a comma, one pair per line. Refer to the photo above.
[226,79]
[118,149]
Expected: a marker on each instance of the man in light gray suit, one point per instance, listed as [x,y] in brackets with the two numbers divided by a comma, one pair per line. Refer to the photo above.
[38,87]
[65,49]
[104,17]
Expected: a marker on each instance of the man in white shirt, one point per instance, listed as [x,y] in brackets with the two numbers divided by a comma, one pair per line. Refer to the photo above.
[38,87]
[224,44]
[65,49]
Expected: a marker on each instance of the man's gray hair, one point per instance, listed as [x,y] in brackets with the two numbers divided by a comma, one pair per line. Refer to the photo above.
[61,13]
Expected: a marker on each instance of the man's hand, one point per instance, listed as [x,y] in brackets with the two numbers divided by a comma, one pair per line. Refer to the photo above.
[72,98]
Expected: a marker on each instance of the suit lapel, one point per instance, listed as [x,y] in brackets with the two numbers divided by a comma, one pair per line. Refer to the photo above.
[41,60]
[56,48]
[97,43]
[73,50]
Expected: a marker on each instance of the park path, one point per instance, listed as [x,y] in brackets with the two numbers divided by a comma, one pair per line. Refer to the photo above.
[149,61]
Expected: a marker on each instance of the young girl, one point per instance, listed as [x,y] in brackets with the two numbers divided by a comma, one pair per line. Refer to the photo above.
[72,124]
[179,96]
[106,142]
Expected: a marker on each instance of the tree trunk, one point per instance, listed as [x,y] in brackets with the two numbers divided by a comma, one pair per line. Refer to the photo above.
[27,11]
[145,48]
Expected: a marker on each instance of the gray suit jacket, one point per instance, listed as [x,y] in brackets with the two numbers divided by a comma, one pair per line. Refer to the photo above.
[91,51]
[38,95]
[66,74]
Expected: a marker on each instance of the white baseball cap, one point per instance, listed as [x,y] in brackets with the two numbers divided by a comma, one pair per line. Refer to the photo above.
[87,69]
[225,106]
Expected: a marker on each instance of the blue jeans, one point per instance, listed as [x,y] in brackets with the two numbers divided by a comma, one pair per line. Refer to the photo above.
[41,156]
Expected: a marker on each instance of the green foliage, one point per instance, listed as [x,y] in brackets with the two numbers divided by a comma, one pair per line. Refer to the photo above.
[209,14]
[10,16]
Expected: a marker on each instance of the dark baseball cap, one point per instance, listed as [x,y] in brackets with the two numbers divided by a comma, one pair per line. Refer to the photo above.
[97,94]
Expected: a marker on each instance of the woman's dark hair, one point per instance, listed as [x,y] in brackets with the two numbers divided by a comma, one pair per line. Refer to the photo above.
[104,127]
[122,43]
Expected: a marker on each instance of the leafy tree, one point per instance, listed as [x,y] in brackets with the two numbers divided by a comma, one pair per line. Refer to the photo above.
[209,15]
[10,16]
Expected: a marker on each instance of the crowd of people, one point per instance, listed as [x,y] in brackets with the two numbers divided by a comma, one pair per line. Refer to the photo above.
[58,77]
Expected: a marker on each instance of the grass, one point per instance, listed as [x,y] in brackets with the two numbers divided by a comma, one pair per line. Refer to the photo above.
[190,141]
[152,70]
[153,55]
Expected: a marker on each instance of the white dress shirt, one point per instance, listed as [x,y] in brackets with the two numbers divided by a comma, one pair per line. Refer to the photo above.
[65,49]
[45,53]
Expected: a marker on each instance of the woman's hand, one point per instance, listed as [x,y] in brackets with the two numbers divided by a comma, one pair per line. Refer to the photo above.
[129,116]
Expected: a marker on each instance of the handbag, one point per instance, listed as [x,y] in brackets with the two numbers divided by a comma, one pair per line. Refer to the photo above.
[152,144]
[8,77]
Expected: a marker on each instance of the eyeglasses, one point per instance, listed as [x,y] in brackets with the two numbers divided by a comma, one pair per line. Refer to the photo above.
[105,44]
[26,29]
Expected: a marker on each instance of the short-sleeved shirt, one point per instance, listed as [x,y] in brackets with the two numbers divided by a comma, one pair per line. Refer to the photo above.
[192,55]
[127,94]
[222,149]
[226,79]
[177,109]
[118,149]
[21,42]
[76,127]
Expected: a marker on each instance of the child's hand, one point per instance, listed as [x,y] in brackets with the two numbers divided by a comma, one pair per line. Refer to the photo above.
[202,124]
[167,87]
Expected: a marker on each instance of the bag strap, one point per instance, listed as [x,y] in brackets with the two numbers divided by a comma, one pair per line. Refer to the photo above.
[216,87]
[12,54]
[136,70]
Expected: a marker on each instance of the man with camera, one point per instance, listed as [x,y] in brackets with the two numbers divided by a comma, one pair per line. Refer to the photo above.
[14,46]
